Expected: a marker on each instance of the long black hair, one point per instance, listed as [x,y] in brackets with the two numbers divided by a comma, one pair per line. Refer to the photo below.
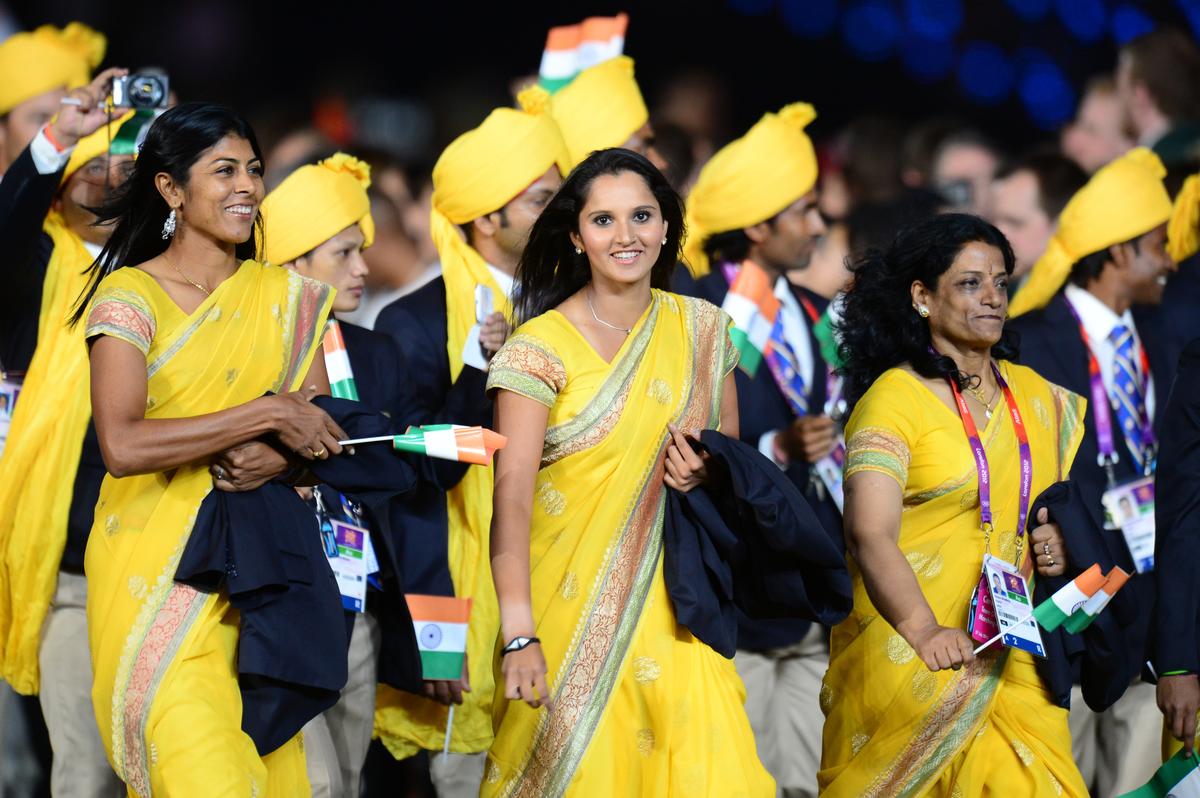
[879,328]
[174,142]
[550,270]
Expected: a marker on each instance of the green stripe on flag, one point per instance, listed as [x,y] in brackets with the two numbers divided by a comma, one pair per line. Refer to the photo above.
[1049,615]
[344,389]
[552,85]
[750,358]
[1177,777]
[442,664]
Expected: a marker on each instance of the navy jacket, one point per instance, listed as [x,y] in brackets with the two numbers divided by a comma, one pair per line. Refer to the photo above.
[1051,344]
[754,546]
[25,198]
[417,323]
[762,408]
[1176,633]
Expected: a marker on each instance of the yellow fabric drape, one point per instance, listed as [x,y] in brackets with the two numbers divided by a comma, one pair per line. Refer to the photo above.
[1123,200]
[641,708]
[46,59]
[315,203]
[1183,230]
[164,654]
[751,179]
[479,173]
[37,469]
[600,108]
[893,727]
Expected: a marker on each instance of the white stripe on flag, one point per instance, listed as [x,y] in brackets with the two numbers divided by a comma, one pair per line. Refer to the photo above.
[448,637]
[1069,598]
[559,63]
[441,443]
[337,363]
[597,52]
[1188,788]
[741,309]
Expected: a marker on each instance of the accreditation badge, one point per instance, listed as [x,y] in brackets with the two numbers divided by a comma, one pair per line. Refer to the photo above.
[350,563]
[1130,508]
[1012,601]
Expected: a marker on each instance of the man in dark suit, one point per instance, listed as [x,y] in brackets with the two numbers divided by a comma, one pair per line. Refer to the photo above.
[46,232]
[489,186]
[1090,339]
[784,409]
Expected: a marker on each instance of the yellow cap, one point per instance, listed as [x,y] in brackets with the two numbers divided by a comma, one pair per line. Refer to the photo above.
[45,60]
[1183,231]
[315,203]
[751,179]
[601,108]
[1122,201]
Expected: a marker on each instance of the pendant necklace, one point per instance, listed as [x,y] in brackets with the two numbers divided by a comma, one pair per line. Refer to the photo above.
[587,295]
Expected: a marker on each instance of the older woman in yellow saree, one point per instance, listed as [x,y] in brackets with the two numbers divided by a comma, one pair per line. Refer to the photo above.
[184,346]
[605,693]
[909,709]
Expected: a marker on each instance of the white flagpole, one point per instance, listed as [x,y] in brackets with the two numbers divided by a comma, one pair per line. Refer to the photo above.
[999,635]
[449,726]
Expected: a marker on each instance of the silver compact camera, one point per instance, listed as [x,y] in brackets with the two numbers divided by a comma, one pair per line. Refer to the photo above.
[141,90]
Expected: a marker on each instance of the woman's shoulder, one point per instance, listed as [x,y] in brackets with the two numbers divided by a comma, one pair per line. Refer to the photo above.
[1028,382]
[894,395]
[702,309]
[127,278]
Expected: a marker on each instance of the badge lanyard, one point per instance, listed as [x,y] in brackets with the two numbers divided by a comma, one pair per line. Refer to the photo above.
[1102,410]
[981,461]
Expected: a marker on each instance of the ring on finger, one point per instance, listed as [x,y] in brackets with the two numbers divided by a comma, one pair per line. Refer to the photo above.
[1046,548]
[320,453]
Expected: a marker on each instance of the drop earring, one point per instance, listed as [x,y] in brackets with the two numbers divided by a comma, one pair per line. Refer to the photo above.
[923,312]
[169,225]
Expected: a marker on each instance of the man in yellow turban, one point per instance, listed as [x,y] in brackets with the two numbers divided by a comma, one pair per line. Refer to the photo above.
[489,186]
[51,469]
[36,70]
[754,208]
[1089,338]
[602,107]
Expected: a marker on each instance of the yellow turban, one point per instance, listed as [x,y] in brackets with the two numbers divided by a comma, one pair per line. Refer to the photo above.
[45,60]
[1183,231]
[315,203]
[601,108]
[751,179]
[94,145]
[1122,201]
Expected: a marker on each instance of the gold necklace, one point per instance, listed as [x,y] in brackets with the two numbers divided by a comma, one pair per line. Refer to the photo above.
[179,271]
[987,403]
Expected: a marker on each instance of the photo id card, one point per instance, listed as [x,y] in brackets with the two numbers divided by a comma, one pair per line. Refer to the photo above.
[1012,601]
[350,564]
[1130,508]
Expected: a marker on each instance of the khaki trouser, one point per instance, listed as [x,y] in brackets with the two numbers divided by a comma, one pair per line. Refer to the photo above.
[456,775]
[80,765]
[783,687]
[1119,749]
[336,741]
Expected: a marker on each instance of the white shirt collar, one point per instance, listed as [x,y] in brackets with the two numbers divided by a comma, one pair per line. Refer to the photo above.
[1098,318]
[503,280]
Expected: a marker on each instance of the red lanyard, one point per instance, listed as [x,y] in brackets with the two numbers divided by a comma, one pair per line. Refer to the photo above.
[981,461]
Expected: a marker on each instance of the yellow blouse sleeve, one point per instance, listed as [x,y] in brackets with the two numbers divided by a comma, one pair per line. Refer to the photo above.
[883,429]
[121,313]
[527,366]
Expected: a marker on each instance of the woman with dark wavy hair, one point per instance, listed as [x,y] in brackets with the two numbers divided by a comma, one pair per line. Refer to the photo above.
[593,390]
[910,710]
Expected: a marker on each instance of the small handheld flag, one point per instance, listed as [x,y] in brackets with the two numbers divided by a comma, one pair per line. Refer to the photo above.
[1084,616]
[337,363]
[570,49]
[1054,611]
[753,306]
[440,623]
[474,445]
[1179,777]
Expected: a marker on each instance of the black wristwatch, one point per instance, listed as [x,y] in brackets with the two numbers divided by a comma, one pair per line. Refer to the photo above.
[518,643]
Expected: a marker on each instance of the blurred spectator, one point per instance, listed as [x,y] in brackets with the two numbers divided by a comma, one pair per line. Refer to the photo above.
[1158,83]
[299,147]
[676,147]
[1098,133]
[920,147]
[963,169]
[1026,199]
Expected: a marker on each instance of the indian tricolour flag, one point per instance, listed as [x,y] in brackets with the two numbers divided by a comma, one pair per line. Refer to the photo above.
[1177,778]
[570,49]
[753,306]
[440,623]
[1068,599]
[337,363]
[452,442]
[1083,618]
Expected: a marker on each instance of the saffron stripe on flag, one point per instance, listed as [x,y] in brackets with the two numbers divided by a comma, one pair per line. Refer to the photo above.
[447,609]
[1081,620]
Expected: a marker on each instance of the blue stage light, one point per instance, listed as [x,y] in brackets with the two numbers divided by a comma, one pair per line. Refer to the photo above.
[871,29]
[927,60]
[811,19]
[754,8]
[985,73]
[934,19]
[1030,10]
[1046,93]
[1086,20]
[1129,22]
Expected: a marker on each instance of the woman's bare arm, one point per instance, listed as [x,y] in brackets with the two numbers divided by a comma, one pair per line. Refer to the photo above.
[133,444]
[730,426]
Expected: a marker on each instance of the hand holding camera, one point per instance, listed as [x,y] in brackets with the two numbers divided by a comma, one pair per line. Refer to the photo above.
[83,110]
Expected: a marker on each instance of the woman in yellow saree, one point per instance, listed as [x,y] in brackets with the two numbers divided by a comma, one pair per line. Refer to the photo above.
[616,697]
[184,346]
[909,709]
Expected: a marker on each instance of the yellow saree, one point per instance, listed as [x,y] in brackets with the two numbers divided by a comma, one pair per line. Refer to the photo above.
[892,727]
[640,707]
[165,690]
[37,471]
